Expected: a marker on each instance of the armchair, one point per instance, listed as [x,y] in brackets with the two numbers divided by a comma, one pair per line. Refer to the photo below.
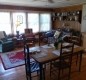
[5,44]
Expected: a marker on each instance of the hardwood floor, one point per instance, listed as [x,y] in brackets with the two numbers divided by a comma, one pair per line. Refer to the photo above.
[80,75]
[18,73]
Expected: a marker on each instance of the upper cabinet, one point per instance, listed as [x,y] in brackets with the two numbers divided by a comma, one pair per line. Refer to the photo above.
[67,16]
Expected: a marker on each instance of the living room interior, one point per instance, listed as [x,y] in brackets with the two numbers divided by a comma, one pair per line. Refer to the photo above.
[33,22]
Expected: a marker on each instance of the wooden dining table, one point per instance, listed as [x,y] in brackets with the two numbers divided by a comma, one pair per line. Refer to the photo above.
[45,54]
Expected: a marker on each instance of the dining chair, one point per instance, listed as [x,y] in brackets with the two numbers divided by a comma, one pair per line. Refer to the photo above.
[31,66]
[64,61]
[77,40]
[30,42]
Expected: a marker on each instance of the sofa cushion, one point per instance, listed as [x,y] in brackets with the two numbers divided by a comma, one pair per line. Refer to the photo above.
[4,39]
[49,34]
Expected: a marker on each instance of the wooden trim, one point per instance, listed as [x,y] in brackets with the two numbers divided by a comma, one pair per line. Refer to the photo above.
[69,8]
[12,7]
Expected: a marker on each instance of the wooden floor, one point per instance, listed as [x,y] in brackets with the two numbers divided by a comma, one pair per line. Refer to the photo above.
[18,73]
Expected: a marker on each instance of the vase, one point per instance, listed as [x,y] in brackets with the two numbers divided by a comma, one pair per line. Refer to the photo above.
[56,47]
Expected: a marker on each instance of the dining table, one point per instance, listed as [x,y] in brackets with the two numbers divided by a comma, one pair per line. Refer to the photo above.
[47,53]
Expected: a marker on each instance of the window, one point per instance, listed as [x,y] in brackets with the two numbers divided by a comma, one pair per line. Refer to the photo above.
[5,24]
[33,21]
[19,22]
[39,22]
[36,21]
[45,22]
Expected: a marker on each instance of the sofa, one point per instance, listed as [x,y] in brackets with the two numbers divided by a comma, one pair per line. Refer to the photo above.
[5,43]
[69,35]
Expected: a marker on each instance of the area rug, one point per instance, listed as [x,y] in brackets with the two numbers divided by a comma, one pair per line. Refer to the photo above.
[12,59]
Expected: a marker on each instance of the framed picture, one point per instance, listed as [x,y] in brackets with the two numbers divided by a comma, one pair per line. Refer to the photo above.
[20,19]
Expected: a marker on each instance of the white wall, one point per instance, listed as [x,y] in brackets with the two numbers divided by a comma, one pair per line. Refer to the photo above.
[83,26]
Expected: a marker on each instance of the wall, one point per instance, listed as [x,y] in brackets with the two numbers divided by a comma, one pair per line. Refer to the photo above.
[83,28]
[69,8]
[70,24]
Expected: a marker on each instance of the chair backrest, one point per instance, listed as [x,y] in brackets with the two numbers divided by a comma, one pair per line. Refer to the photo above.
[77,40]
[28,30]
[27,58]
[66,52]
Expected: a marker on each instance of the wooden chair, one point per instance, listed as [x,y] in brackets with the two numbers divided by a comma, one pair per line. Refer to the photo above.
[31,66]
[64,62]
[77,40]
[29,37]
[29,41]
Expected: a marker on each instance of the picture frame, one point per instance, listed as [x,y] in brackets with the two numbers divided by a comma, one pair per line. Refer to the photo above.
[20,19]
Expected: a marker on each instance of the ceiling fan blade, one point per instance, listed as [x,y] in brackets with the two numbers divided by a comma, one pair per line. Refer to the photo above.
[51,1]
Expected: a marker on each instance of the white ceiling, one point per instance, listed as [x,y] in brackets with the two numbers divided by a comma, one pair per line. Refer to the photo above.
[42,3]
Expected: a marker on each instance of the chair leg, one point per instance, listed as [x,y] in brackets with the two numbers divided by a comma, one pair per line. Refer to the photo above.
[62,71]
[38,74]
[30,78]
[69,73]
[50,68]
[26,77]
[44,74]
[77,59]
[59,74]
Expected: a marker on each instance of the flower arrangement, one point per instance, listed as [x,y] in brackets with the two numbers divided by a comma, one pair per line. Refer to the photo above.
[58,38]
[56,44]
[19,21]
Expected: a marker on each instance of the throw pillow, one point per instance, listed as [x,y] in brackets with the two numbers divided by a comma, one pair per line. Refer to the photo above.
[57,34]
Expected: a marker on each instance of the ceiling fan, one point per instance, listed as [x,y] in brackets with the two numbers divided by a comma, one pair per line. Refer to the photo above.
[50,1]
